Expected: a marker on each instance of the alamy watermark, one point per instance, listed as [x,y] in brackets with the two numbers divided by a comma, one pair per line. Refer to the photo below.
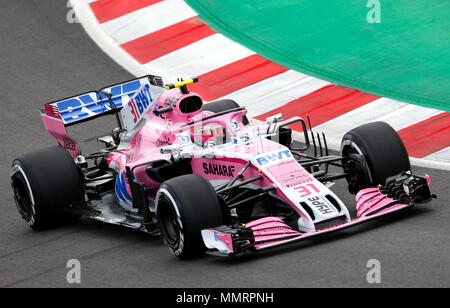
[374,14]
[373,276]
[71,17]
[73,275]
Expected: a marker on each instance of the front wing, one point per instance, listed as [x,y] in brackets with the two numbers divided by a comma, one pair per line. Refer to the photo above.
[371,203]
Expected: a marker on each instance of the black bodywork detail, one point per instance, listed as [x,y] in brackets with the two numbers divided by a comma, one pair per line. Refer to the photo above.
[191,104]
[408,188]
[224,104]
[140,195]
[242,238]
[161,171]
[284,136]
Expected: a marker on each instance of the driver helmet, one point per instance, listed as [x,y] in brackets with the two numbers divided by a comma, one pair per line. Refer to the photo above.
[211,134]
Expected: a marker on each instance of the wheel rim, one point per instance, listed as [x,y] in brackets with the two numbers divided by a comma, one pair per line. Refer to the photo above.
[22,199]
[169,225]
[360,178]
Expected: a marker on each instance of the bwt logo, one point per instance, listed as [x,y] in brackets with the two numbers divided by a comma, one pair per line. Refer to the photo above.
[273,157]
[143,98]
[140,103]
[88,102]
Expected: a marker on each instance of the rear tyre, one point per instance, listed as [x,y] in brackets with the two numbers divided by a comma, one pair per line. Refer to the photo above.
[44,183]
[185,205]
[223,105]
[378,153]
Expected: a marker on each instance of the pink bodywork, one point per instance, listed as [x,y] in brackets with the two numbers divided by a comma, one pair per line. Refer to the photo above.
[160,131]
[55,126]
[371,200]
[271,231]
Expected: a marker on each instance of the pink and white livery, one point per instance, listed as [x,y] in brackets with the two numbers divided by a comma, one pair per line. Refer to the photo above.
[203,177]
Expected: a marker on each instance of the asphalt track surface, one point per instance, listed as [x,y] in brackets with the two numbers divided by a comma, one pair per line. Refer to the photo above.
[43,58]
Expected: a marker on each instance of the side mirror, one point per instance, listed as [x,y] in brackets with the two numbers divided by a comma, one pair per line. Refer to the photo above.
[274,119]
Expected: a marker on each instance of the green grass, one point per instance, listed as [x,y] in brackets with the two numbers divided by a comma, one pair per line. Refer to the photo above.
[405,57]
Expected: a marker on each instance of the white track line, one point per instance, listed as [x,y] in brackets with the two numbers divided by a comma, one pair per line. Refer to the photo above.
[397,114]
[200,57]
[147,20]
[275,91]
[409,115]
[442,155]
[90,24]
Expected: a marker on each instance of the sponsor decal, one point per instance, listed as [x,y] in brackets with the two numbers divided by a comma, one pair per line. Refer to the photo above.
[263,160]
[184,139]
[270,231]
[235,126]
[216,236]
[171,101]
[290,174]
[121,191]
[69,145]
[163,141]
[321,206]
[218,169]
[306,190]
[91,104]
[245,138]
[140,103]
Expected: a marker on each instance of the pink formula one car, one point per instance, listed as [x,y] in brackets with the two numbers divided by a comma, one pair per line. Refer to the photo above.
[203,177]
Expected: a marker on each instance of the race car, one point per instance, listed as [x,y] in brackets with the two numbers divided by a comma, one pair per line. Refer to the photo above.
[203,177]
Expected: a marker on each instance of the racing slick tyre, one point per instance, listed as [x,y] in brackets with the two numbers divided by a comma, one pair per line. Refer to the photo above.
[185,205]
[44,183]
[222,105]
[378,153]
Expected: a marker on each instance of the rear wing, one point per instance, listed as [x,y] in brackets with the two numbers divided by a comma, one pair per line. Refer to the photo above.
[133,97]
[90,105]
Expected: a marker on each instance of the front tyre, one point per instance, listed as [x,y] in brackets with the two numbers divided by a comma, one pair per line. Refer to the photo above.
[375,153]
[44,183]
[185,205]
